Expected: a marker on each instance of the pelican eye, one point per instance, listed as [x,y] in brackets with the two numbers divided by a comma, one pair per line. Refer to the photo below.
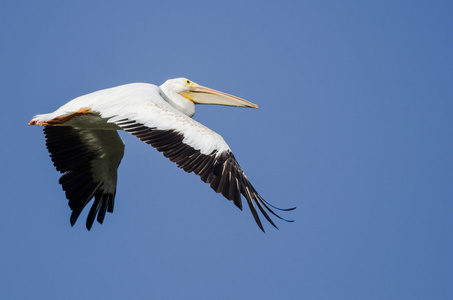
[188,82]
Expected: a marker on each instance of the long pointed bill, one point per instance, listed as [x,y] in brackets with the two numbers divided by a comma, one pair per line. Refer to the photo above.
[204,95]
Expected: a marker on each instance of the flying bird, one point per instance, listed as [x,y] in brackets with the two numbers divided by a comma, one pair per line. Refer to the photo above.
[84,144]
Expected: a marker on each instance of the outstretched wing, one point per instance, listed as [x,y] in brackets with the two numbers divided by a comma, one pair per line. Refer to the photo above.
[195,148]
[89,159]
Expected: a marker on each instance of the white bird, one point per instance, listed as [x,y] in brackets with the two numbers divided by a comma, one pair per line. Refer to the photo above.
[84,144]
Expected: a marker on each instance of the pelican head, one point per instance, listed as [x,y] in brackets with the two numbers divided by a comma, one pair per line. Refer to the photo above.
[202,95]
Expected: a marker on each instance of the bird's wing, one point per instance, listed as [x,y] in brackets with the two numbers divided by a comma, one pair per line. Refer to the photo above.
[194,148]
[89,159]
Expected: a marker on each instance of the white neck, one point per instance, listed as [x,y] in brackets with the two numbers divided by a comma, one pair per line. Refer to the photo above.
[182,104]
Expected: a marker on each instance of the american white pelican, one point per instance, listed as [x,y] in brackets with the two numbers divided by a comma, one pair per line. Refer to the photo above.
[84,144]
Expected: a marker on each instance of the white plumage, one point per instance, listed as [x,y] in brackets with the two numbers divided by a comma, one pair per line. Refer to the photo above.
[83,142]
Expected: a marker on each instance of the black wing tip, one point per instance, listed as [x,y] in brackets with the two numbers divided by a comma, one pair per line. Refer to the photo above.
[263,206]
[278,208]
[226,162]
[88,226]
[101,205]
[74,216]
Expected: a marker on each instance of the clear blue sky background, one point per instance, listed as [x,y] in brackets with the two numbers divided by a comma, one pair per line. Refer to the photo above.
[355,128]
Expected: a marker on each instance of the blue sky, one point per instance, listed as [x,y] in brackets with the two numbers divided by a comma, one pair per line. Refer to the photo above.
[354,128]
